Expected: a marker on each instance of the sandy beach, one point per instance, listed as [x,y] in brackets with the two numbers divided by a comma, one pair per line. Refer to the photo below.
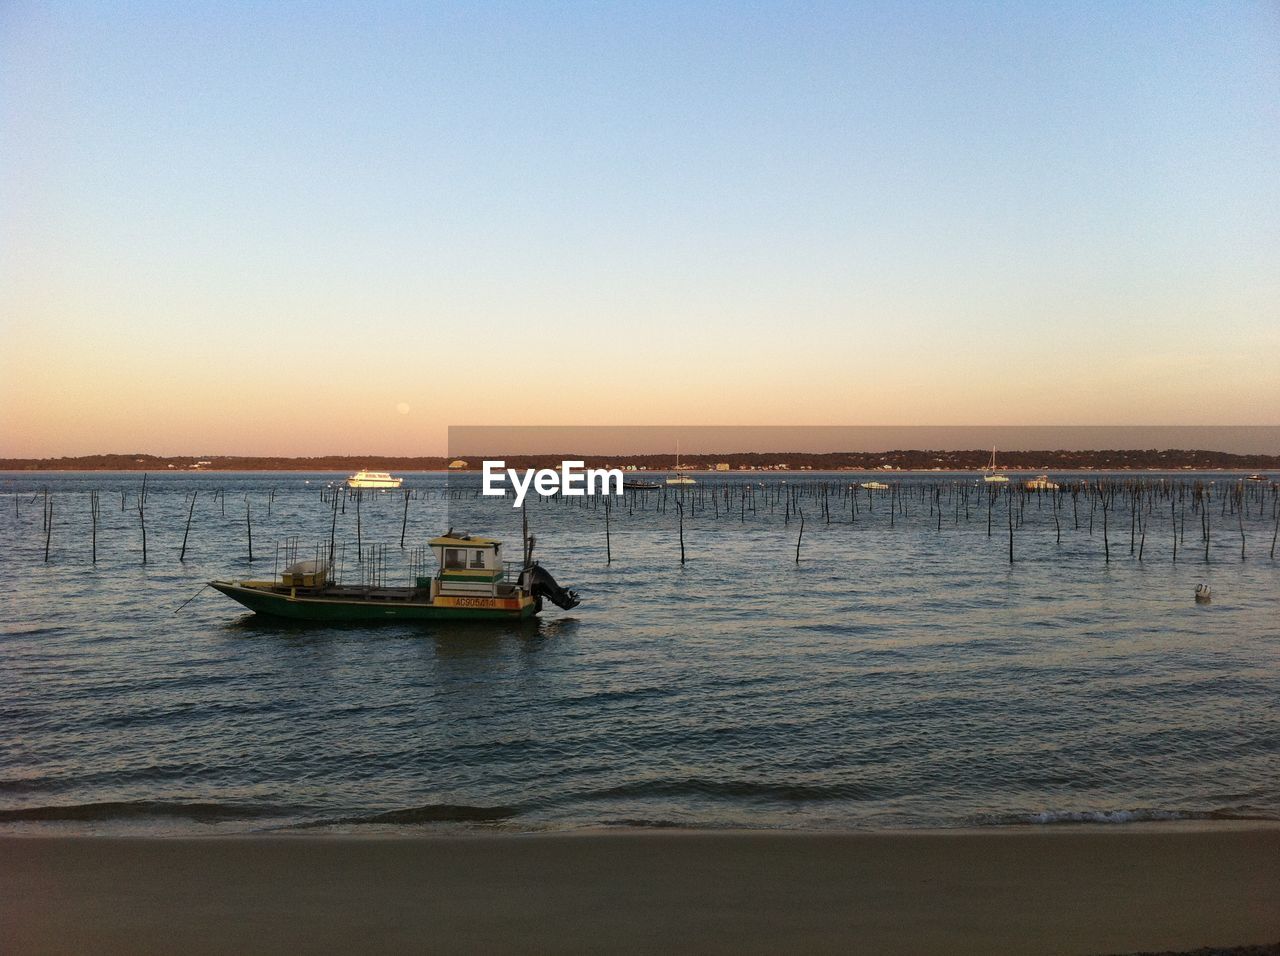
[1085,890]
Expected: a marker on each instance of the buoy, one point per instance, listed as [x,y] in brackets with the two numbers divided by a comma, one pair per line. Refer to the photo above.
[1203,594]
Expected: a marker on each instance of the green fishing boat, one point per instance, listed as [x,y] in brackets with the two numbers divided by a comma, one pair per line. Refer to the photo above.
[472,583]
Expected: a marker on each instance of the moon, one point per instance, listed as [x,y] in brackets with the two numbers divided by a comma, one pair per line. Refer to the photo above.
[402,408]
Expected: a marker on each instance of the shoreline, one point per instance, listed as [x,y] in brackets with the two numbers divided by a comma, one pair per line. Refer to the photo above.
[1084,889]
[701,472]
[116,829]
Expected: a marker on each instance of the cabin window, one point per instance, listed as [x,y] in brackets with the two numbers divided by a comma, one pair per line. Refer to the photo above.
[454,558]
[477,559]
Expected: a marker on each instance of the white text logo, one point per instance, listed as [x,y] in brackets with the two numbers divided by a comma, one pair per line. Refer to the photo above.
[573,479]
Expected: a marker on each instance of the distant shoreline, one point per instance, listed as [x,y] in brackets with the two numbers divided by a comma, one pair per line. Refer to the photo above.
[903,460]
[1012,473]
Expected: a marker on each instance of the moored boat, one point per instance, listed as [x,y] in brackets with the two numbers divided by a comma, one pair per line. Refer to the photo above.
[373,479]
[472,582]
[1041,483]
[990,474]
[680,478]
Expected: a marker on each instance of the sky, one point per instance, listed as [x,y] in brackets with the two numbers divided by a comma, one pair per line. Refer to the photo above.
[318,228]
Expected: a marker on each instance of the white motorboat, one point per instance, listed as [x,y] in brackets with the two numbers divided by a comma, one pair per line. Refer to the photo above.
[373,479]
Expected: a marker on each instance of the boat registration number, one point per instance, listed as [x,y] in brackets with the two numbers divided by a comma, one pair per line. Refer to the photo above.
[474,602]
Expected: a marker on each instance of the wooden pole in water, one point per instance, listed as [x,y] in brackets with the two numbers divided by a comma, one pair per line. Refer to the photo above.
[93,515]
[1009,496]
[680,509]
[1106,543]
[248,522]
[1182,517]
[48,524]
[333,529]
[1133,517]
[608,544]
[142,516]
[404,522]
[800,537]
[182,555]
[1204,522]
[1240,518]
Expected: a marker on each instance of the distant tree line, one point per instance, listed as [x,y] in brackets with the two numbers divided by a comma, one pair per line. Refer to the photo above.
[906,459]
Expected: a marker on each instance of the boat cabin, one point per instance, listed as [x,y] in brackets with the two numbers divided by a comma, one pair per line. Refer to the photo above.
[468,565]
[305,574]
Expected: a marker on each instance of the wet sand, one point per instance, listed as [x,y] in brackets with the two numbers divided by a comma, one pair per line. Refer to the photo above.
[1086,890]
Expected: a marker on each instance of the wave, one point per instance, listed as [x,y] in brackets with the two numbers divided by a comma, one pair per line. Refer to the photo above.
[135,809]
[747,789]
[1142,815]
[431,813]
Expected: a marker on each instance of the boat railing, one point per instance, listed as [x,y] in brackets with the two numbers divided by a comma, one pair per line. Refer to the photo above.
[511,571]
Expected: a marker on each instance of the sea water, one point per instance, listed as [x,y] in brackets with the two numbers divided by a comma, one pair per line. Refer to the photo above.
[902,674]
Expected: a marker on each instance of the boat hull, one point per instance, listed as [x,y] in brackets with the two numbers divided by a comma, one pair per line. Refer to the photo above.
[330,608]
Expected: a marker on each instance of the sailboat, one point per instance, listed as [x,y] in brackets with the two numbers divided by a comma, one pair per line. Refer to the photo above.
[680,478]
[990,473]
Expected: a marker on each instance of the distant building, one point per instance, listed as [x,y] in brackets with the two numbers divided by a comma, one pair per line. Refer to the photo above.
[457,464]
[722,466]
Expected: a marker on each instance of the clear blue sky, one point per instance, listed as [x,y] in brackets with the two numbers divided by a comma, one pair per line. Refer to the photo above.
[960,213]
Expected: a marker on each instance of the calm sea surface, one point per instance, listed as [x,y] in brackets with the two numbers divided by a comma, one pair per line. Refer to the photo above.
[902,674]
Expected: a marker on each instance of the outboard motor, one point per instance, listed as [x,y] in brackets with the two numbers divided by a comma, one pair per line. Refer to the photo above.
[541,584]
